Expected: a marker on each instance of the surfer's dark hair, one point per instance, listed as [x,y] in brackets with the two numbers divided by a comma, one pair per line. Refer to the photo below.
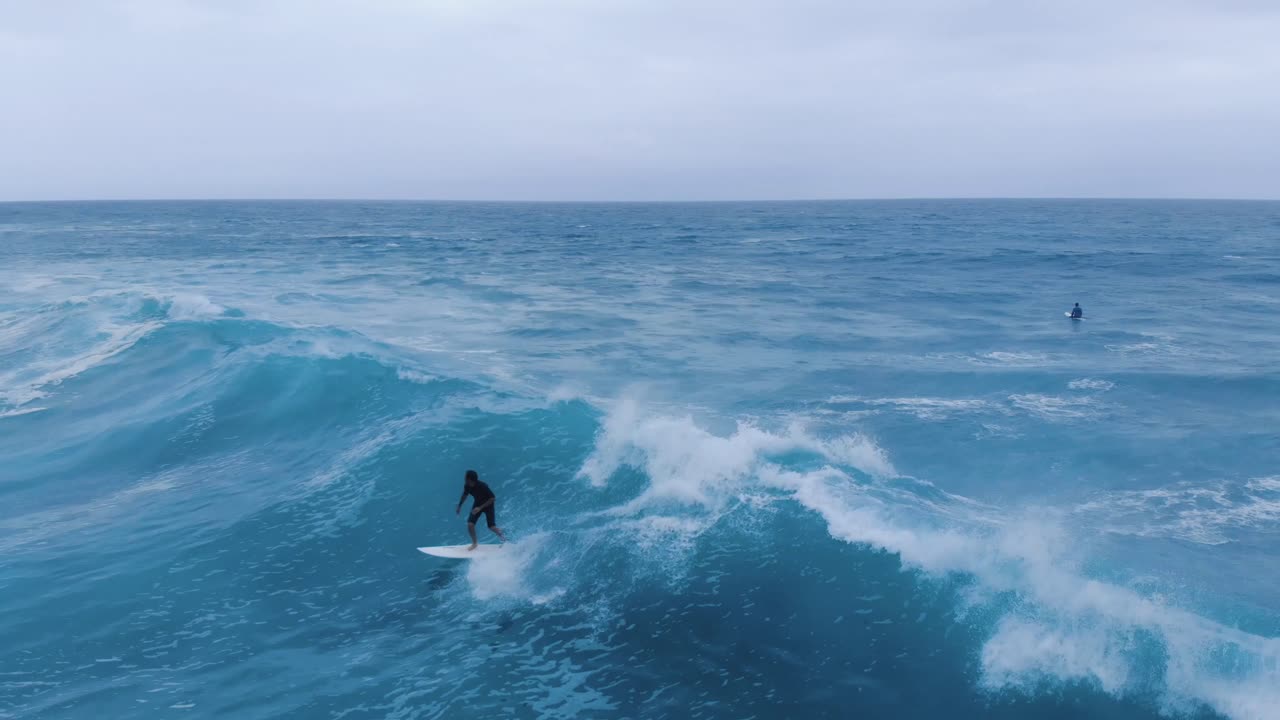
[471,475]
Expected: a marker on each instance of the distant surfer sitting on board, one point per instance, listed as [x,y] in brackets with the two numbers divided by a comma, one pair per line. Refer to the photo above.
[1077,312]
[484,500]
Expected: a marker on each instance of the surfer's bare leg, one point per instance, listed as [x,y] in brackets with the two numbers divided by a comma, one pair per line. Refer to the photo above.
[471,528]
[497,531]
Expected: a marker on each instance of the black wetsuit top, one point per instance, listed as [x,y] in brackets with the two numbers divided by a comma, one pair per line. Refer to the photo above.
[479,491]
[482,494]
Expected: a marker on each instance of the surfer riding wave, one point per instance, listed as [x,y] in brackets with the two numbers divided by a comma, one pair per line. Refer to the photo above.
[484,503]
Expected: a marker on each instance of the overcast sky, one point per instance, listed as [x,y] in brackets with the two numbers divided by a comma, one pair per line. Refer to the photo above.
[638,99]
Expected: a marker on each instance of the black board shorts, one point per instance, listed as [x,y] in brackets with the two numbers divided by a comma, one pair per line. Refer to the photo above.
[488,515]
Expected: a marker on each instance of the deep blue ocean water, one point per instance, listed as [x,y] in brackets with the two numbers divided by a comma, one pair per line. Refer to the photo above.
[764,460]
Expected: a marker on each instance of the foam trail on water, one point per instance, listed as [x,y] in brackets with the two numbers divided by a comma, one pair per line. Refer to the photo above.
[509,573]
[21,411]
[1207,513]
[925,408]
[1090,384]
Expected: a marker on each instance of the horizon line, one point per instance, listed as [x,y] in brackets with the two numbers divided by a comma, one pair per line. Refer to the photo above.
[957,198]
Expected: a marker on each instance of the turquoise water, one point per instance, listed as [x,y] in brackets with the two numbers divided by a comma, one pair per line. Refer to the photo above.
[762,460]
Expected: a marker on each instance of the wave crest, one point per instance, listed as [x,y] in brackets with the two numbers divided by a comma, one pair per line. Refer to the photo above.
[1050,622]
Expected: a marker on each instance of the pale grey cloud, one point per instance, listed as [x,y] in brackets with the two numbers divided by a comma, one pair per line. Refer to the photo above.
[637,100]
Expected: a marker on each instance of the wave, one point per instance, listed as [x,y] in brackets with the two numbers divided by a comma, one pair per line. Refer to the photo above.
[59,341]
[659,482]
[202,398]
[1052,622]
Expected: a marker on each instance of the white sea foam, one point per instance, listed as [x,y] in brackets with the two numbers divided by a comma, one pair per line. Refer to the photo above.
[190,306]
[1046,407]
[1090,384]
[507,574]
[665,542]
[1157,346]
[1054,408]
[1066,627]
[1024,653]
[1208,513]
[415,376]
[1013,358]
[1070,627]
[1267,484]
[688,465]
[570,392]
[20,411]
[925,408]
[1141,348]
[31,283]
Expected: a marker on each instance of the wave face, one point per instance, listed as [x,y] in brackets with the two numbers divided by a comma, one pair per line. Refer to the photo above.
[760,460]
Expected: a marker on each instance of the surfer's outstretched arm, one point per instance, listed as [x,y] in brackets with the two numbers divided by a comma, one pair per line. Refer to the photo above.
[458,510]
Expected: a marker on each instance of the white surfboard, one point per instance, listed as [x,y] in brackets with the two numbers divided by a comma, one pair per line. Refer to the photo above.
[460,552]
[1073,318]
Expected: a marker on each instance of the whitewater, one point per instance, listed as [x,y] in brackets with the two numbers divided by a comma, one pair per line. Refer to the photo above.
[759,460]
